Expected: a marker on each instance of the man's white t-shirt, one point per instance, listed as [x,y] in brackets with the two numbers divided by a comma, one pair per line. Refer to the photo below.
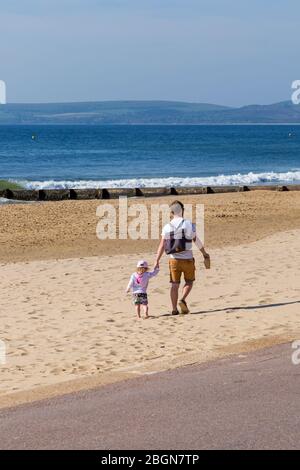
[177,225]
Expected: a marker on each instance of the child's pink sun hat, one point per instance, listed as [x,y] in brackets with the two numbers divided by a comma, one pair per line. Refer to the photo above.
[142,264]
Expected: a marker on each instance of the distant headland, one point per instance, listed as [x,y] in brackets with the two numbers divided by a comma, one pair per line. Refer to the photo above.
[147,113]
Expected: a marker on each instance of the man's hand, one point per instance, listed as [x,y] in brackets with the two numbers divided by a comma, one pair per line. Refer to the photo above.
[206,260]
[156,265]
[204,253]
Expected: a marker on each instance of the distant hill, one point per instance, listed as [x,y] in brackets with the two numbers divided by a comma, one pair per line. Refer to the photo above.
[147,112]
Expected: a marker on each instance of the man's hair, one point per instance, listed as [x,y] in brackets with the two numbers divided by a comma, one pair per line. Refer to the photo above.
[177,208]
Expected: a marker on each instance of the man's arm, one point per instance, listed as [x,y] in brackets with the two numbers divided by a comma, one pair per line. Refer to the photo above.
[160,252]
[200,245]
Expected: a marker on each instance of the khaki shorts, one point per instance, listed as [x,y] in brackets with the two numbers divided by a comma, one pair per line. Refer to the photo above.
[179,266]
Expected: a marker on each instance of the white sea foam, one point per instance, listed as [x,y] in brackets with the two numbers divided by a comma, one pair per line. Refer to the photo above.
[221,180]
[4,201]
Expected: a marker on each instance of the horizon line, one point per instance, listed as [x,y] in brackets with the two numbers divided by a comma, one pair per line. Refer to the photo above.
[146,101]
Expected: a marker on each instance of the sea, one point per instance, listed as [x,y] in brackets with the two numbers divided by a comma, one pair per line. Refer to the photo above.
[41,157]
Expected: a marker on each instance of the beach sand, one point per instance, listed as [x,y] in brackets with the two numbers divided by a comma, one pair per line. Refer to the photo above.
[55,230]
[68,325]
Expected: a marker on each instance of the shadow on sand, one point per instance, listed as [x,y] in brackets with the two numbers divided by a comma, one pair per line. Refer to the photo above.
[234,309]
[245,307]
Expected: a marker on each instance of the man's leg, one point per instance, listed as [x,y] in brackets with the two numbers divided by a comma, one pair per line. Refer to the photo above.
[189,277]
[174,295]
[187,289]
[175,275]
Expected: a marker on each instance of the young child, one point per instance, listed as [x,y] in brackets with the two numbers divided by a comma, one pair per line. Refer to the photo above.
[138,284]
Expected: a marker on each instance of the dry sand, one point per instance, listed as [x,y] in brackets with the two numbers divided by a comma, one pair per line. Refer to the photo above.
[67,229]
[68,324]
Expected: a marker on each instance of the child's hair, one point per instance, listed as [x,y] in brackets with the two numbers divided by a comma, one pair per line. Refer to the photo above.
[141,270]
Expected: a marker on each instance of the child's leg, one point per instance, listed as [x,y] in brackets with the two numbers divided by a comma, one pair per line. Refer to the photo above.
[146,310]
[138,310]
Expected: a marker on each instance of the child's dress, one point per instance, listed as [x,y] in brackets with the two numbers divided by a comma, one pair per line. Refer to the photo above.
[138,284]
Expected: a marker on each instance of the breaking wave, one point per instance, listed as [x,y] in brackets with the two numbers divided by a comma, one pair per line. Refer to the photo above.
[220,180]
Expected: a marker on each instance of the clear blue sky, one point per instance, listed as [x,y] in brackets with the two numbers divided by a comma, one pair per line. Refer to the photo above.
[229,52]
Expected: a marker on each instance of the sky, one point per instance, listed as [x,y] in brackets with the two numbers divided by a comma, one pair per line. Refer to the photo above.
[230,52]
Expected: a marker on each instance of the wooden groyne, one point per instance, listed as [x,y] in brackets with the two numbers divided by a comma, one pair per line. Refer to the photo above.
[115,193]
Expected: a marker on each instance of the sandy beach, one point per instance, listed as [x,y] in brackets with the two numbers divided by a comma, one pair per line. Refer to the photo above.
[56,230]
[68,324]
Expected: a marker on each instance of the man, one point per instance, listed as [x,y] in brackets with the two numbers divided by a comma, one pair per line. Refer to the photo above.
[181,259]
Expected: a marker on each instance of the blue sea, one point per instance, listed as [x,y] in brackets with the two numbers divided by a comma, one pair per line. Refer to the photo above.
[136,156]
